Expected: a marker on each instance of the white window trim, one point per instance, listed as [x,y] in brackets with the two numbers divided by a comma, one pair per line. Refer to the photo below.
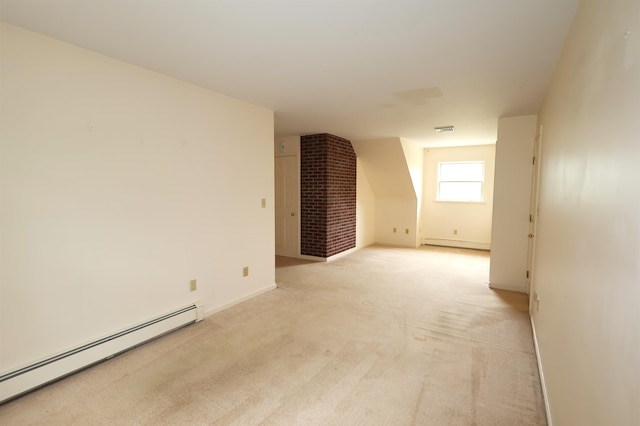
[480,201]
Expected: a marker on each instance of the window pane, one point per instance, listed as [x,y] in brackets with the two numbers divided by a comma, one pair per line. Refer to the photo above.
[462,171]
[460,191]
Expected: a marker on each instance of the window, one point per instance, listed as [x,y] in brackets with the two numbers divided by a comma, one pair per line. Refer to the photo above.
[461,181]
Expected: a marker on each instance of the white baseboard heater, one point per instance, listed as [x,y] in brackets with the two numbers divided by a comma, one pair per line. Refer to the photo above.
[30,377]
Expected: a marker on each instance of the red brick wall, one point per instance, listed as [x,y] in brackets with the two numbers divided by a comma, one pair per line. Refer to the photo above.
[327,195]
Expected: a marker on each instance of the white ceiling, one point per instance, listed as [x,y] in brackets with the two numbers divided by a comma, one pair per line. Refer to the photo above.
[357,69]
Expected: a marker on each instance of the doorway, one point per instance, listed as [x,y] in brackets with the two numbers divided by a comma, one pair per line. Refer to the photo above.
[287,206]
[533,216]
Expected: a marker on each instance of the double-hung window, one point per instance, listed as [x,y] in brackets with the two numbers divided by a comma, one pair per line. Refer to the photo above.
[461,181]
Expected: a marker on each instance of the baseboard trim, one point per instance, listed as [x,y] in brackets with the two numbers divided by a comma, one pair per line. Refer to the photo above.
[541,374]
[456,243]
[494,286]
[396,244]
[314,258]
[234,302]
[330,258]
[342,254]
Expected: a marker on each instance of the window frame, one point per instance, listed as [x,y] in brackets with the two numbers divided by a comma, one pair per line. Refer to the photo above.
[439,181]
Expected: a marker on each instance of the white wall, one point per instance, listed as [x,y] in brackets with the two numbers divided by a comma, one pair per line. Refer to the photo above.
[120,185]
[587,265]
[414,156]
[511,202]
[365,210]
[391,166]
[471,220]
[386,166]
[397,214]
[287,146]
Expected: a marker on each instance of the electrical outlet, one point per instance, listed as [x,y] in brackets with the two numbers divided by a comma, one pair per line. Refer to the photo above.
[406,231]
[455,232]
[193,285]
[245,271]
[264,203]
[395,230]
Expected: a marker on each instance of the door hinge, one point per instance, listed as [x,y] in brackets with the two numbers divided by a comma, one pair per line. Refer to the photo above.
[527,274]
[534,161]
[530,218]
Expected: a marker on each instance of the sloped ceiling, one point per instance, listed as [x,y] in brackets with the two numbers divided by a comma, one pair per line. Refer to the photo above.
[385,165]
[356,69]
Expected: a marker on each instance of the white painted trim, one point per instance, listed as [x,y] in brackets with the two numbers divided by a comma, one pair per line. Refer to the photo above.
[543,385]
[29,377]
[456,243]
[234,302]
[517,289]
[341,254]
[315,258]
[330,258]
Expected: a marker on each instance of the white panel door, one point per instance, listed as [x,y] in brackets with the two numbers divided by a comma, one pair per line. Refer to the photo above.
[533,219]
[286,193]
[511,203]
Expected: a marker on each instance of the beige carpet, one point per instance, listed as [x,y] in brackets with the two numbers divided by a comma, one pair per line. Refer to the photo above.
[385,336]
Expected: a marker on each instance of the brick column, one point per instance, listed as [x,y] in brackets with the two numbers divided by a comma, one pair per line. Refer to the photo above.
[327,195]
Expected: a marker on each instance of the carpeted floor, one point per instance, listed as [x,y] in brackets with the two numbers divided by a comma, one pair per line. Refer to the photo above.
[384,336]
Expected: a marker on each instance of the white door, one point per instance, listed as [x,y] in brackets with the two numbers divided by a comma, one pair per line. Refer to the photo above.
[533,215]
[286,193]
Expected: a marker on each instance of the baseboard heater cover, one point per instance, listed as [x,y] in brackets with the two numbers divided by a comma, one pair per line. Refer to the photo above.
[33,376]
[447,242]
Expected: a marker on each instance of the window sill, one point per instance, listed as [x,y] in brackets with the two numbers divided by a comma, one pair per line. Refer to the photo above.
[460,202]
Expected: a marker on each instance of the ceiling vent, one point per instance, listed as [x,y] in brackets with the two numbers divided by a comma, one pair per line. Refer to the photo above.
[444,129]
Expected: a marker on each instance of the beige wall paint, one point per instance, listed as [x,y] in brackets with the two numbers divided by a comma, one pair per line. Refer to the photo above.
[385,163]
[414,156]
[587,265]
[119,186]
[365,210]
[392,166]
[287,146]
[397,214]
[511,202]
[472,220]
